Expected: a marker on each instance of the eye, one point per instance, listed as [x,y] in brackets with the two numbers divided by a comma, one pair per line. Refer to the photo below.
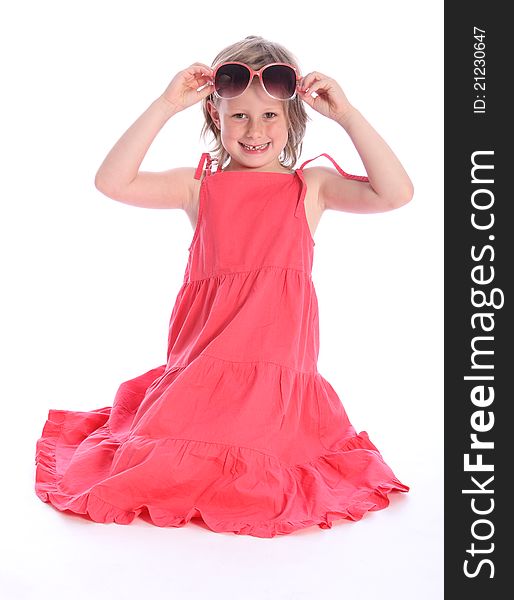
[242,114]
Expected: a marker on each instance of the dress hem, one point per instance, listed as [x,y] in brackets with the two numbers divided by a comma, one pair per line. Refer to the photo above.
[90,505]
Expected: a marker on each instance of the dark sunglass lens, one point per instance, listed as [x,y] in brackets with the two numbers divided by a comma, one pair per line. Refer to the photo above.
[279,81]
[231,80]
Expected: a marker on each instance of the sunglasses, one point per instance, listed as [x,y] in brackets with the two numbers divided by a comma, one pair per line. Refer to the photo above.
[279,80]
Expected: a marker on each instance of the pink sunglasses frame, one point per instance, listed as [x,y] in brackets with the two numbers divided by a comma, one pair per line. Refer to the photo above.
[253,73]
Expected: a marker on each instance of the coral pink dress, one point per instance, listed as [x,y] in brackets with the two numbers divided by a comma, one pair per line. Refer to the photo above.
[238,428]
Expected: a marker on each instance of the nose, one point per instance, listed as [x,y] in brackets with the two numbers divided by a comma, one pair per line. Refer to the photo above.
[255,128]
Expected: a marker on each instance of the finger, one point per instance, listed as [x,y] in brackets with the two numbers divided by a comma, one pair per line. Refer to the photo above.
[317,85]
[207,71]
[204,87]
[307,93]
[198,76]
[199,69]
[308,80]
[202,65]
[312,78]
[306,97]
[305,82]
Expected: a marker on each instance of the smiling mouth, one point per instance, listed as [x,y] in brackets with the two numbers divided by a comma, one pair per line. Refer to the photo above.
[258,148]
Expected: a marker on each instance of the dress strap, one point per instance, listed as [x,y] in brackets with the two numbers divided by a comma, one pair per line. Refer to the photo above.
[297,212]
[206,157]
[343,173]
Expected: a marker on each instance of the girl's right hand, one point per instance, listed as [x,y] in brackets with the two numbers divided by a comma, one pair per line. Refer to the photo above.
[182,90]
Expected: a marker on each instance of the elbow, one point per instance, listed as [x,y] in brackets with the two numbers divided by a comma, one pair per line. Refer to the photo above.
[403,196]
[102,186]
[98,183]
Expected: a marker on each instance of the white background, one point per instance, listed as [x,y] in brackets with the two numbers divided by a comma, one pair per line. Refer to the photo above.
[89,284]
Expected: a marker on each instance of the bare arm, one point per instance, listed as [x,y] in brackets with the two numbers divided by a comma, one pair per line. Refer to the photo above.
[389,185]
[385,172]
[119,177]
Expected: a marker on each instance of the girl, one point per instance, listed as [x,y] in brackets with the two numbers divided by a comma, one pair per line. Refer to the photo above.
[238,427]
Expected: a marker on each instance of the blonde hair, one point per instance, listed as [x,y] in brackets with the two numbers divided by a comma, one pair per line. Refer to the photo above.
[255,51]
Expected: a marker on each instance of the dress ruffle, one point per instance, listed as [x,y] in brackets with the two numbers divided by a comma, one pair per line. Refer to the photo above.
[230,488]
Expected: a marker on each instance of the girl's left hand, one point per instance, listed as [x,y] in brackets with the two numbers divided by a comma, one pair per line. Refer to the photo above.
[330,101]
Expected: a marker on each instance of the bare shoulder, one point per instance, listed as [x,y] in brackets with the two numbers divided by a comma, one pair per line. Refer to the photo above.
[313,177]
[195,190]
[173,188]
[193,203]
[313,206]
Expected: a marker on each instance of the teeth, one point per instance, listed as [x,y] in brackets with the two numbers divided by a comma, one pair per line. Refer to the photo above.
[256,147]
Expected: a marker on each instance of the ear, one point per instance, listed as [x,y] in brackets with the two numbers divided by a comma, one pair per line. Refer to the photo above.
[213,111]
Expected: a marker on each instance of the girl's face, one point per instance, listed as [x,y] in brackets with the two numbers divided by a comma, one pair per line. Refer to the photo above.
[254,119]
